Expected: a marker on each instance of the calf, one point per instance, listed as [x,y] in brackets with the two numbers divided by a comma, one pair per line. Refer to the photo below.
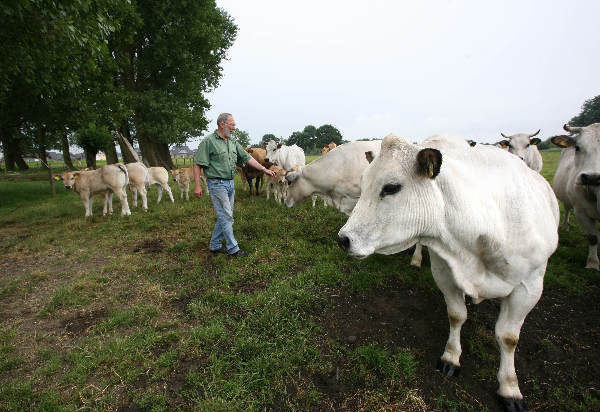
[184,177]
[489,222]
[278,185]
[138,179]
[106,180]
[160,177]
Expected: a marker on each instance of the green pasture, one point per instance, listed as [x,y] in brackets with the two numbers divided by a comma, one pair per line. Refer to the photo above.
[113,313]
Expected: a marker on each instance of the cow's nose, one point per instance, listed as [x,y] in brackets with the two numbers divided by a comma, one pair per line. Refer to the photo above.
[68,187]
[590,179]
[266,159]
[344,242]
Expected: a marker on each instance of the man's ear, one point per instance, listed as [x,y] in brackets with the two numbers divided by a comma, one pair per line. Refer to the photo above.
[369,156]
[429,162]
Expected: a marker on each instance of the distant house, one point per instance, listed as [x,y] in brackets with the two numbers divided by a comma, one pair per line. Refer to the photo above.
[181,151]
[54,156]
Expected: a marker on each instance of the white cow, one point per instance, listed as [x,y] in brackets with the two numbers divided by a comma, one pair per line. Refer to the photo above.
[160,177]
[138,180]
[490,224]
[335,176]
[285,157]
[106,180]
[524,146]
[577,182]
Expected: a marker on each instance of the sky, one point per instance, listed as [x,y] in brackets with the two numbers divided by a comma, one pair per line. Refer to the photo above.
[412,68]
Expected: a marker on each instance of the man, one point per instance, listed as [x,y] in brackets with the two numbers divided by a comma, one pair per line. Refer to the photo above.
[218,155]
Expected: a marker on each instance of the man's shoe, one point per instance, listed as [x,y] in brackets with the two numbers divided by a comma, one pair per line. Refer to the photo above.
[223,249]
[239,253]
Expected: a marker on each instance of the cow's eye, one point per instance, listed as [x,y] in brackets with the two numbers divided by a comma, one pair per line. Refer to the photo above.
[390,189]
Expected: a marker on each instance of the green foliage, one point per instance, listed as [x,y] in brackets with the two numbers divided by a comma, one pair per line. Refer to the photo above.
[312,139]
[590,113]
[242,137]
[268,137]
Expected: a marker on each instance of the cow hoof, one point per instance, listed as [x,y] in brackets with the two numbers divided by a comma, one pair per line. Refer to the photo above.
[448,369]
[511,404]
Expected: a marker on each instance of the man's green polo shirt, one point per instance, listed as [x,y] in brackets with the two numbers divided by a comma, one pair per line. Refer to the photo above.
[219,157]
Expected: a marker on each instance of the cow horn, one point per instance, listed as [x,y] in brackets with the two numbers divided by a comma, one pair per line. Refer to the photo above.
[505,136]
[572,129]
[535,134]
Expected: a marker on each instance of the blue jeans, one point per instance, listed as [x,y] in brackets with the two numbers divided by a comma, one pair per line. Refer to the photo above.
[222,194]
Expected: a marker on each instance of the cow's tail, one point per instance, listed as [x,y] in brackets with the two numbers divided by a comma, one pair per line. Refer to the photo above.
[124,170]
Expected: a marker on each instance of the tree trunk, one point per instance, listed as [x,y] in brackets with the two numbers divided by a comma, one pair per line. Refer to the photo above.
[149,152]
[12,152]
[65,151]
[90,158]
[127,157]
[42,155]
[165,156]
[111,154]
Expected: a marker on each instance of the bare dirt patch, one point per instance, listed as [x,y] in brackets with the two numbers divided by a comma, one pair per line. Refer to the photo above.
[557,349]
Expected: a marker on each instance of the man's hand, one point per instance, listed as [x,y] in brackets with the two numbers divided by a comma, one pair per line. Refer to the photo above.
[270,173]
[198,191]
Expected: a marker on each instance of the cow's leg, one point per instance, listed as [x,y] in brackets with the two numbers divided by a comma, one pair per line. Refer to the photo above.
[589,227]
[110,196]
[565,223]
[168,189]
[417,257]
[144,195]
[86,198]
[513,310]
[449,363]
[269,191]
[181,189]
[256,185]
[160,190]
[133,195]
[107,202]
[187,190]
[122,194]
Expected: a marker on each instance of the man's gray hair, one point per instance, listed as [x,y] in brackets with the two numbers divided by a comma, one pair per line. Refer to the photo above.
[223,118]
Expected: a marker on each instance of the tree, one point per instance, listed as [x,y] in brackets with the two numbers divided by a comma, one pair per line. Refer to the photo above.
[590,113]
[268,137]
[49,50]
[168,54]
[327,134]
[242,137]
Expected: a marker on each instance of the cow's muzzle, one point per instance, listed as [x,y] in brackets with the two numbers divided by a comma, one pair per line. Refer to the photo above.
[68,187]
[590,179]
[344,242]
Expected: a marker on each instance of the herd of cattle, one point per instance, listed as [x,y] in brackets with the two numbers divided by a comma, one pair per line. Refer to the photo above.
[488,218]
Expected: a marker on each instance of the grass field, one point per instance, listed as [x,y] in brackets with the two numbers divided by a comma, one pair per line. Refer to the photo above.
[129,314]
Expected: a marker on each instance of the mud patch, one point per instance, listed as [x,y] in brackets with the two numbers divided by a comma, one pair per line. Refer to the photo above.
[149,246]
[557,350]
[83,320]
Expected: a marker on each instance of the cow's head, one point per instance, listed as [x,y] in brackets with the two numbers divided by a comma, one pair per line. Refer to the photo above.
[398,200]
[68,178]
[518,144]
[324,150]
[272,148]
[298,189]
[585,144]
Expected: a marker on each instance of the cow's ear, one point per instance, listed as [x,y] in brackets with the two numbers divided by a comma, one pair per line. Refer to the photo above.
[369,156]
[535,141]
[279,146]
[471,142]
[429,162]
[56,177]
[563,141]
[504,144]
